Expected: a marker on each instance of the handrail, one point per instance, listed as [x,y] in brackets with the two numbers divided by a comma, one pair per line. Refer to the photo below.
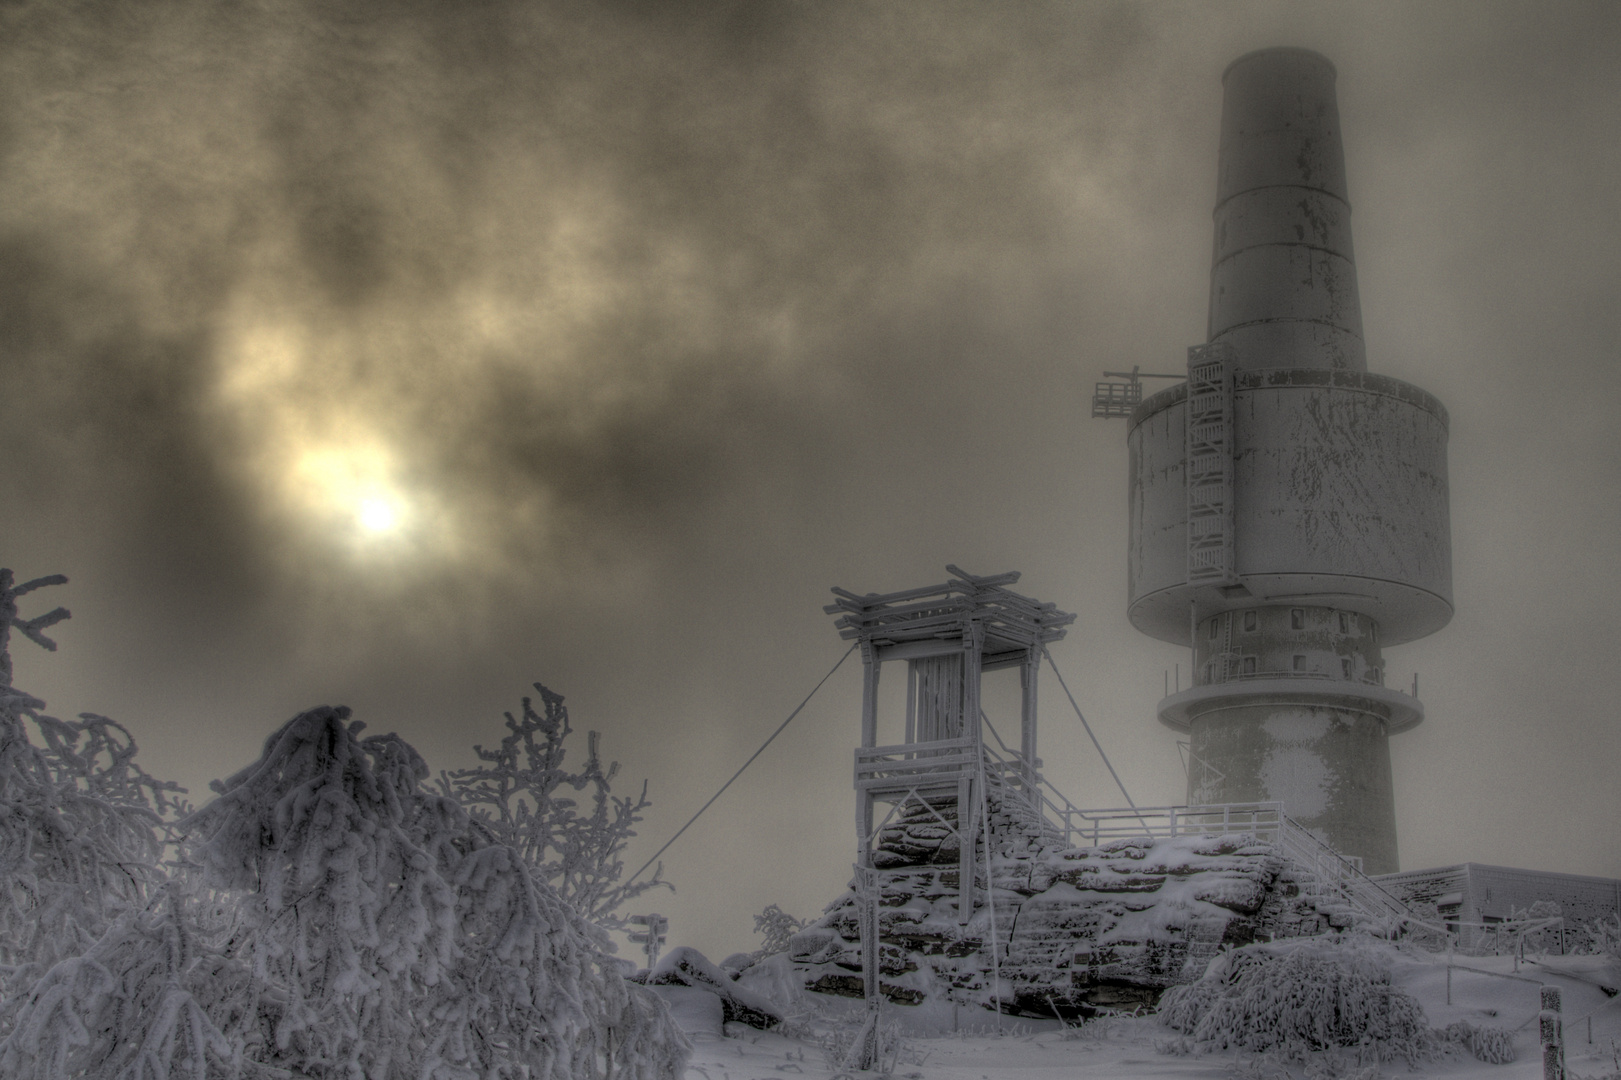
[1043,804]
[1264,820]
[870,753]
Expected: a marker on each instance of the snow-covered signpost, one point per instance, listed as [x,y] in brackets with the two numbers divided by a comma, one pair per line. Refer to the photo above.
[651,938]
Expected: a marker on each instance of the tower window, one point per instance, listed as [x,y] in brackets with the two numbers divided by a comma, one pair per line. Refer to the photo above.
[1297,619]
[1300,662]
[1345,665]
[1212,629]
[1249,665]
[1345,623]
[1249,621]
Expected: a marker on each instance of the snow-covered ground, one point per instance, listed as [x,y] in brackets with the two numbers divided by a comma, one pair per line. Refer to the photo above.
[1130,1048]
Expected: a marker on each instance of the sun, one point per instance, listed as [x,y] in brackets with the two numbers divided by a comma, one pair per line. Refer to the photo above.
[354,487]
[379,515]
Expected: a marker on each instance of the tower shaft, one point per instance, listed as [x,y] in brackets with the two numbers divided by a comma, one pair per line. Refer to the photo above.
[1289,508]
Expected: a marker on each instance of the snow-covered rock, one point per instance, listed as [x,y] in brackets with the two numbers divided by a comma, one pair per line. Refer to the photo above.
[1076,928]
[775,980]
[686,966]
[695,1011]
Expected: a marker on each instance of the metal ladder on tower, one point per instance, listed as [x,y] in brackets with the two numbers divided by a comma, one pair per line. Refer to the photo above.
[1210,465]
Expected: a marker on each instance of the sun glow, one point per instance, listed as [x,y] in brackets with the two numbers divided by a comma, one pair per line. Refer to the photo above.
[335,458]
[378,515]
[355,489]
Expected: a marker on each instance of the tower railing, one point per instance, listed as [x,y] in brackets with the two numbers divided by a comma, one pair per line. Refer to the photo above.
[1340,875]
[1028,795]
[904,765]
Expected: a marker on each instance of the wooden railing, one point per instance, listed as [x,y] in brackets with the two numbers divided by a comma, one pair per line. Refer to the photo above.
[921,764]
[1337,874]
[1024,791]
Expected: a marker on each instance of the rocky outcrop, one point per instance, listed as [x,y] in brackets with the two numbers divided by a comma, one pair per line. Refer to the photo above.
[1072,929]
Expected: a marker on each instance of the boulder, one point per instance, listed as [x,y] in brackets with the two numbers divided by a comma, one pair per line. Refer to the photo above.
[696,1012]
[687,966]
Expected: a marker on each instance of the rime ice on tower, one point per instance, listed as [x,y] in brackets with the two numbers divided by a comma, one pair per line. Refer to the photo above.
[1288,507]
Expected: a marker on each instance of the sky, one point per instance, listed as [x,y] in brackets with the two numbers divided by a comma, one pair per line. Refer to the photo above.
[402,355]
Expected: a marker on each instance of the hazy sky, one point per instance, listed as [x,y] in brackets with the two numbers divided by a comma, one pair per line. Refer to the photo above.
[400,355]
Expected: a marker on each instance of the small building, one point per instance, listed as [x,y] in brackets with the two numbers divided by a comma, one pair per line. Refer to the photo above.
[1477,894]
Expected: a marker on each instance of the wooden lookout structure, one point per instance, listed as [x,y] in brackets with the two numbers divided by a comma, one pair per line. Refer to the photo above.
[948,635]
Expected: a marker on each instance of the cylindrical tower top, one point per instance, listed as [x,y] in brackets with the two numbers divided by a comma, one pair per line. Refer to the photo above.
[1283,279]
[1280,124]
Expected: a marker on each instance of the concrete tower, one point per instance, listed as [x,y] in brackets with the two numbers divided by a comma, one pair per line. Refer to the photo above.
[1288,507]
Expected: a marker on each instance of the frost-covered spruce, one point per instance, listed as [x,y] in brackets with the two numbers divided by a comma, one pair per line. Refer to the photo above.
[520,796]
[344,922]
[79,820]
[388,939]
[331,919]
[1309,995]
[135,1006]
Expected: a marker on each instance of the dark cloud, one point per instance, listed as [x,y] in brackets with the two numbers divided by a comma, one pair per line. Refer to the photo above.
[661,319]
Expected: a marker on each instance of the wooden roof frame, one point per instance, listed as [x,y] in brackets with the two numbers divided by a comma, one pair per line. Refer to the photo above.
[934,618]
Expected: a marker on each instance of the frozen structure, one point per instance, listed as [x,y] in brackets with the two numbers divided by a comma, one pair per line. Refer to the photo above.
[981,884]
[1065,928]
[948,636]
[978,883]
[1289,521]
[1480,897]
[1288,507]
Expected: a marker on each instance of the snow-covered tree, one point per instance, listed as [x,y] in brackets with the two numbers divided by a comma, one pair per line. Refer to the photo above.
[397,940]
[344,922]
[1600,937]
[1293,998]
[325,916]
[80,822]
[341,914]
[136,1005]
[519,796]
[776,927]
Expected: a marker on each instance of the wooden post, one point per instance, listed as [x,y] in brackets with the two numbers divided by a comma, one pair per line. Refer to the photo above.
[864,836]
[1553,1035]
[965,848]
[911,702]
[869,694]
[973,642]
[1027,717]
[1449,961]
[867,890]
[864,1054]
